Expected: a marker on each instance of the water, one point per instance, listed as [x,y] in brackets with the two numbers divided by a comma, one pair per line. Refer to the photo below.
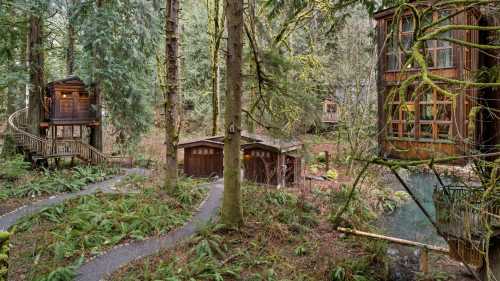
[408,221]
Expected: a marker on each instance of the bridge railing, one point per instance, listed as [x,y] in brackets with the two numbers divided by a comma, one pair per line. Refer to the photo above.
[49,147]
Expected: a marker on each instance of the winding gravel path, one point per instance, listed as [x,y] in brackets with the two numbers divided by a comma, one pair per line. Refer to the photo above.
[107,186]
[98,268]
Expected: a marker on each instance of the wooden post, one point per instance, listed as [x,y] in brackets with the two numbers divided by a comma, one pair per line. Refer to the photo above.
[327,160]
[424,261]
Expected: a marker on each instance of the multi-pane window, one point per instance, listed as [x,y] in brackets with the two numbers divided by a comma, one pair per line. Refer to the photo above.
[439,53]
[424,115]
[395,55]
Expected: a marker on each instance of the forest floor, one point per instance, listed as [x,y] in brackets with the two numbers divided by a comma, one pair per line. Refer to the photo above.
[55,241]
[19,185]
[287,236]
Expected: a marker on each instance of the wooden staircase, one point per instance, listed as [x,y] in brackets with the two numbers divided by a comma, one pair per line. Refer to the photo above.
[44,148]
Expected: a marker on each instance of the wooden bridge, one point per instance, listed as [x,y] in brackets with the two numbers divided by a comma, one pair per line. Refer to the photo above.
[44,148]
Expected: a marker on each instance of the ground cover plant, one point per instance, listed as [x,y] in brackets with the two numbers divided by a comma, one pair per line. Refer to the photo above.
[4,254]
[284,238]
[55,241]
[19,184]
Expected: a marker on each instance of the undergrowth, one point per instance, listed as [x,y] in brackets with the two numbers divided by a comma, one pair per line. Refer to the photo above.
[53,240]
[19,182]
[284,238]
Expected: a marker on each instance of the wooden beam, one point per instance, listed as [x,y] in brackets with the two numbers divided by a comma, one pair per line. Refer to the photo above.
[395,240]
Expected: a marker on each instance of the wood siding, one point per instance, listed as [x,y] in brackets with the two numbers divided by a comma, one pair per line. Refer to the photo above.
[465,62]
[203,161]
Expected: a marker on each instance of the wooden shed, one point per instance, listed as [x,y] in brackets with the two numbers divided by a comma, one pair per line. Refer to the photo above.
[424,123]
[68,109]
[273,162]
[203,158]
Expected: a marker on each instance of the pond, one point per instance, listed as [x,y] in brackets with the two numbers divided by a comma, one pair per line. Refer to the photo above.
[408,221]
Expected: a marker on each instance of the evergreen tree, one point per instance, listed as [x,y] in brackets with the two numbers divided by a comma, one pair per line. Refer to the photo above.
[232,214]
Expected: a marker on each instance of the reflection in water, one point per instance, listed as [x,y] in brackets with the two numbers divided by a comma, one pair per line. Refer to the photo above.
[408,221]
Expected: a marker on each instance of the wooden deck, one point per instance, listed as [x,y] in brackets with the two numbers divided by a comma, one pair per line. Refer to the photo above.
[44,148]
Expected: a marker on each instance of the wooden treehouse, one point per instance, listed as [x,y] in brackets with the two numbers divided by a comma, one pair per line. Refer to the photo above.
[424,124]
[69,115]
[329,114]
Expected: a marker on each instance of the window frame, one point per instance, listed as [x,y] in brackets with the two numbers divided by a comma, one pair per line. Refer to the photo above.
[395,49]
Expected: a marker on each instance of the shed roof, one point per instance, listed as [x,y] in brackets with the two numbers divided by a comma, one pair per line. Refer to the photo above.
[71,80]
[201,142]
[250,140]
[275,144]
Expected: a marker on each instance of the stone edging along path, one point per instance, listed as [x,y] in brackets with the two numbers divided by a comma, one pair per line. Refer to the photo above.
[100,267]
[9,219]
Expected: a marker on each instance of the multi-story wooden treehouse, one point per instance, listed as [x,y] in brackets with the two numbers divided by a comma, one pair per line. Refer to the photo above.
[423,122]
[436,104]
[69,120]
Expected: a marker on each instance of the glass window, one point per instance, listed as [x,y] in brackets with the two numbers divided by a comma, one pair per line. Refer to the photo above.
[426,112]
[444,57]
[444,131]
[407,24]
[426,130]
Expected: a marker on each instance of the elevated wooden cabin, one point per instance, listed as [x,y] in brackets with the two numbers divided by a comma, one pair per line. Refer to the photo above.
[68,109]
[273,162]
[428,124]
[329,115]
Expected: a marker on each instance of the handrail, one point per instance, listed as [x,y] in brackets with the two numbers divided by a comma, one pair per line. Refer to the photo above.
[49,147]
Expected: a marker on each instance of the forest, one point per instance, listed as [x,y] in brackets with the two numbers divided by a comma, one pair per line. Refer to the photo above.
[339,140]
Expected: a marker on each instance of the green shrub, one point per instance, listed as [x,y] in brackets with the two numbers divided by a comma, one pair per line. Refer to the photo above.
[4,255]
[14,168]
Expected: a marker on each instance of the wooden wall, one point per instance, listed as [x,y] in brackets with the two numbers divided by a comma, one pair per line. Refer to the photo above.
[203,161]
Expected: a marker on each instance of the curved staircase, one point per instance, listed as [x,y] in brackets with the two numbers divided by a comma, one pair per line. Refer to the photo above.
[44,148]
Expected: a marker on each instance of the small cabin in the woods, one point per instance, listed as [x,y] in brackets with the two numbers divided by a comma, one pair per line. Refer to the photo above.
[68,109]
[273,162]
[266,160]
[203,158]
[424,123]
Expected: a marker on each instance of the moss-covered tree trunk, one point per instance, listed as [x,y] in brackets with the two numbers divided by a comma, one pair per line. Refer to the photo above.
[97,133]
[172,89]
[36,73]
[70,48]
[215,31]
[232,214]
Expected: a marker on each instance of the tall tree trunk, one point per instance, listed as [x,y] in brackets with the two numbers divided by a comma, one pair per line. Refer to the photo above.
[172,89]
[36,68]
[70,48]
[216,35]
[232,214]
[96,133]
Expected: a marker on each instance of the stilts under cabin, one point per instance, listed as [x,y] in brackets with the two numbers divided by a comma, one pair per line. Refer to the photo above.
[424,123]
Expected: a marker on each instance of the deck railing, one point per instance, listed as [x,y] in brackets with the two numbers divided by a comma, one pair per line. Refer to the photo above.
[461,216]
[46,148]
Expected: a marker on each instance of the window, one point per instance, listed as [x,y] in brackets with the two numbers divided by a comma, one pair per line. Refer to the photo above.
[439,53]
[424,115]
[395,56]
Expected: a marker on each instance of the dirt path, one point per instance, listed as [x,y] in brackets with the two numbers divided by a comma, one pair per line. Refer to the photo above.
[98,268]
[107,186]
